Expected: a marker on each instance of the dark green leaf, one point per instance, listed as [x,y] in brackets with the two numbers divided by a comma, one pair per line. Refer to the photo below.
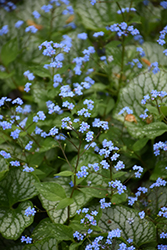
[138,145]
[5,75]
[9,52]
[47,144]
[159,171]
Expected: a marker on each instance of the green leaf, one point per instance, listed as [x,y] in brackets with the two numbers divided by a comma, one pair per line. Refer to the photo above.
[65,203]
[133,93]
[46,228]
[118,174]
[4,137]
[95,17]
[141,230]
[60,216]
[157,198]
[14,221]
[94,192]
[138,145]
[152,110]
[118,198]
[40,96]
[47,144]
[4,167]
[17,186]
[45,244]
[64,173]
[9,51]
[112,49]
[5,75]
[75,246]
[151,131]
[163,110]
[40,71]
[109,104]
[154,52]
[51,191]
[159,171]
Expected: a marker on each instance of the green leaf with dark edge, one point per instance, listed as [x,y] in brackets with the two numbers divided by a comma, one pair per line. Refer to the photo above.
[46,228]
[4,168]
[14,221]
[133,93]
[60,216]
[118,198]
[95,17]
[159,171]
[17,186]
[47,144]
[65,203]
[64,173]
[45,244]
[5,75]
[40,71]
[151,131]
[157,198]
[154,53]
[141,231]
[139,144]
[9,51]
[51,191]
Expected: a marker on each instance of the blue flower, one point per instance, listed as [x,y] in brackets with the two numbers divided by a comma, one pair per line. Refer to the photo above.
[142,214]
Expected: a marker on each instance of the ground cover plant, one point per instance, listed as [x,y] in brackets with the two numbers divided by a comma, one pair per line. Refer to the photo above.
[83,125]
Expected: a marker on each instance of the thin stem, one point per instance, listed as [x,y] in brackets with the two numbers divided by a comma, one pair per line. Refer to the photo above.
[65,155]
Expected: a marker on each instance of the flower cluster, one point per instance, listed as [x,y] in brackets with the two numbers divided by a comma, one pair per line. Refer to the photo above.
[117,184]
[139,171]
[30,211]
[123,29]
[159,145]
[27,240]
[127,9]
[163,212]
[104,204]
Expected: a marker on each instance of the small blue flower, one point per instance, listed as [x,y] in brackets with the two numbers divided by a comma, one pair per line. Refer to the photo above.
[142,214]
